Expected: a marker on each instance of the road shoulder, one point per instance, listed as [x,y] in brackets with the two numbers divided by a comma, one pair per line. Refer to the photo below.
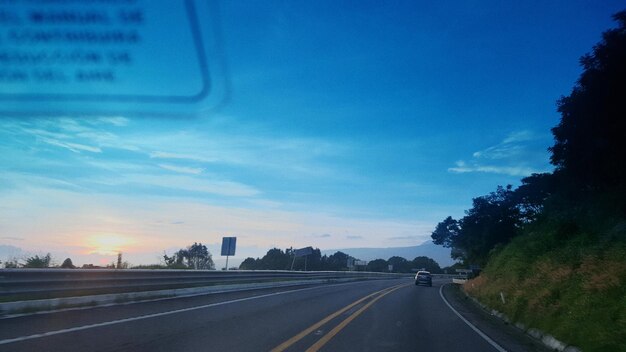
[506,335]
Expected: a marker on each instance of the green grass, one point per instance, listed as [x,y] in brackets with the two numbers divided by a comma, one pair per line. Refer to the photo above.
[572,287]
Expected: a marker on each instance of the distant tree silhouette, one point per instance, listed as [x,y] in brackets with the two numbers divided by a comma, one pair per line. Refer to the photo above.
[446,232]
[67,264]
[249,264]
[493,219]
[195,256]
[426,263]
[38,262]
[336,262]
[400,265]
[276,259]
[378,265]
[11,263]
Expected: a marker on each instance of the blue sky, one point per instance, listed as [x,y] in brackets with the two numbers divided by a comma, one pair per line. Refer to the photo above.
[349,124]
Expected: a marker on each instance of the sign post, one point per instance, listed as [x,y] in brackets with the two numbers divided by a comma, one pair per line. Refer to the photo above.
[228,247]
[302,252]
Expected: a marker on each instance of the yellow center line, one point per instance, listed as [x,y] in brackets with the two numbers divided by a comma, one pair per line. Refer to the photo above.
[283,346]
[321,342]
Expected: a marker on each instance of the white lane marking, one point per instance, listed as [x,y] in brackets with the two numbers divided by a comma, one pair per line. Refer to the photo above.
[487,338]
[154,315]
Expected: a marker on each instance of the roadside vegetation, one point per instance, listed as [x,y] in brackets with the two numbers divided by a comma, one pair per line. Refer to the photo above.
[553,250]
[277,259]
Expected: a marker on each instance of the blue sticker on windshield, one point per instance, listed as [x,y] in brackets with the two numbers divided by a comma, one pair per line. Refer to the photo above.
[109,57]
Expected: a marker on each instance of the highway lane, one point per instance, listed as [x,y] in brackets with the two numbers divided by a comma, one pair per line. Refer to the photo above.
[382,315]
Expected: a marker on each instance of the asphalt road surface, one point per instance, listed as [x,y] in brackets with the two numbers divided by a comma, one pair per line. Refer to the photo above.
[381,315]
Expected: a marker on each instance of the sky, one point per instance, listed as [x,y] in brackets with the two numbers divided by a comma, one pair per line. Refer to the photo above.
[347,124]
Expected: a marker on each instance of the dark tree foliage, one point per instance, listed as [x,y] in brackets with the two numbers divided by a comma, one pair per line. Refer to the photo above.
[248,264]
[378,265]
[426,263]
[277,259]
[176,261]
[311,262]
[588,187]
[400,265]
[590,144]
[38,262]
[532,194]
[337,262]
[446,232]
[493,219]
[67,264]
[195,256]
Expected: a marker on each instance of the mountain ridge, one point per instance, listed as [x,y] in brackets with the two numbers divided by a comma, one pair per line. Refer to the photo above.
[428,249]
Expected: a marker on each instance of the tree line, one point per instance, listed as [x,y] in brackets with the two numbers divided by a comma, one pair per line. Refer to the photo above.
[277,259]
[195,256]
[585,195]
[198,257]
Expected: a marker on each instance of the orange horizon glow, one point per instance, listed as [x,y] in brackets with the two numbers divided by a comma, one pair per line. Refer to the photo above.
[108,244]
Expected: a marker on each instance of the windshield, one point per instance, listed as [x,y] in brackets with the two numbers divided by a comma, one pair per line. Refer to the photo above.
[319,138]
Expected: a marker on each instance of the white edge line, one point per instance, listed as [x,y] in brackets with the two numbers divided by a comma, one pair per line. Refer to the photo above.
[154,315]
[487,338]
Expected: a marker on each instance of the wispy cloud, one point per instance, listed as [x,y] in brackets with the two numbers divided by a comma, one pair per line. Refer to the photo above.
[462,167]
[181,169]
[191,157]
[74,147]
[10,238]
[185,183]
[521,153]
[323,235]
[354,237]
[23,180]
[118,121]
[519,136]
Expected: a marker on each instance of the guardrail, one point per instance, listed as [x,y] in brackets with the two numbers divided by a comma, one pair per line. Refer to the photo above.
[53,283]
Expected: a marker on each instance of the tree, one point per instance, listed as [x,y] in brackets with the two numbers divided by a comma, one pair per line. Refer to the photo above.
[336,262]
[590,148]
[276,259]
[195,256]
[249,264]
[67,264]
[400,265]
[531,195]
[11,263]
[119,261]
[198,257]
[426,263]
[493,219]
[38,262]
[446,232]
[176,261]
[378,265]
[311,262]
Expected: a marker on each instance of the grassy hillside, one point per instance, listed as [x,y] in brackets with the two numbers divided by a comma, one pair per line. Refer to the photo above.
[564,278]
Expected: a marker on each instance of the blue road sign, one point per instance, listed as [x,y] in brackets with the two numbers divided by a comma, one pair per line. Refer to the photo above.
[303,251]
[228,245]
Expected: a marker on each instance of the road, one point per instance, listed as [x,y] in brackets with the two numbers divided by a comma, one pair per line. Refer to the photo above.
[381,315]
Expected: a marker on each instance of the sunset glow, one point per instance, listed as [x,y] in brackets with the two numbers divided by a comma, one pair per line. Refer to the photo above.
[107,244]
